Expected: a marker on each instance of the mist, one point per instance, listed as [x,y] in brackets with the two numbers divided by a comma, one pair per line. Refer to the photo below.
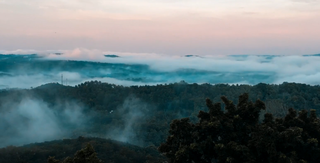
[26,119]
[121,68]
[32,120]
[132,110]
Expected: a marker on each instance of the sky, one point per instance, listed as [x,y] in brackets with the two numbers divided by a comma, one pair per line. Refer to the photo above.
[202,27]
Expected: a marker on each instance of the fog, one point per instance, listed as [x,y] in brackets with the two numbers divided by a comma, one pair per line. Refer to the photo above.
[150,69]
[31,120]
[133,110]
[25,119]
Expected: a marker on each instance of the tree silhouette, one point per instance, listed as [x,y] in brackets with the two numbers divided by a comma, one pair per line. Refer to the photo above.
[236,136]
[85,155]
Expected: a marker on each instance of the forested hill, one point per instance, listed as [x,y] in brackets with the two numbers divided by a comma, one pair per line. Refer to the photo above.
[177,97]
[107,151]
[141,114]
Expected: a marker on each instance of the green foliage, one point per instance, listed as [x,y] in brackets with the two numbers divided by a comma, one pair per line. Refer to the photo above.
[237,136]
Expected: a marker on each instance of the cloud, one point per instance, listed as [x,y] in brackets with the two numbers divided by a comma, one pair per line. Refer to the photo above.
[79,54]
[31,116]
[26,81]
[28,51]
[151,69]
[69,78]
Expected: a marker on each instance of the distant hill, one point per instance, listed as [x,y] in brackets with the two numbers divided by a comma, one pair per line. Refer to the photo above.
[111,56]
[312,55]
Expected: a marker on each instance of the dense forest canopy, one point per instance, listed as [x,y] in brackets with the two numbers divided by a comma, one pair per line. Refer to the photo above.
[237,136]
[139,115]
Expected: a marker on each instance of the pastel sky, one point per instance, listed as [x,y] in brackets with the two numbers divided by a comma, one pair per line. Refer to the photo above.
[205,27]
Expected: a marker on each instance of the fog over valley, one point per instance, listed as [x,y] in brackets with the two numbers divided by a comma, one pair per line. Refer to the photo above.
[25,69]
[159,81]
[129,103]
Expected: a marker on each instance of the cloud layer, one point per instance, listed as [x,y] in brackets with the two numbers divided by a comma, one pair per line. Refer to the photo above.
[150,68]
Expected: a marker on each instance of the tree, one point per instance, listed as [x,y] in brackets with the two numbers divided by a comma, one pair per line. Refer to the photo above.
[237,136]
[85,155]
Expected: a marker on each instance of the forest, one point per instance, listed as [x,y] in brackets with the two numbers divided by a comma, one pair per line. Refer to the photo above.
[138,115]
[107,150]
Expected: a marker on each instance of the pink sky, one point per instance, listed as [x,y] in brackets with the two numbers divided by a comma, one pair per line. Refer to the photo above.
[202,27]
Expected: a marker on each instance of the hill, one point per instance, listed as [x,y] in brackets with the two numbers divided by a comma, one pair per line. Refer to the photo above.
[107,150]
[138,115]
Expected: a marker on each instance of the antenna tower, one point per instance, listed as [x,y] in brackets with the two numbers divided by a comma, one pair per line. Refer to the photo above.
[61,79]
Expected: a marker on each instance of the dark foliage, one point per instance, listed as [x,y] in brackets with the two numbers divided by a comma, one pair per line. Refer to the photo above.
[237,136]
[69,151]
[174,101]
[85,155]
[168,102]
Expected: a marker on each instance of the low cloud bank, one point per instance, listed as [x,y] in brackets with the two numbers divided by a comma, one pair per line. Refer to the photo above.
[161,68]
